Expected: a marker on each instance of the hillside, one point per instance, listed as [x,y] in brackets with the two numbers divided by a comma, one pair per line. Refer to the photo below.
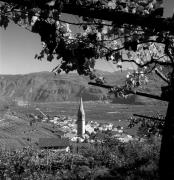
[46,87]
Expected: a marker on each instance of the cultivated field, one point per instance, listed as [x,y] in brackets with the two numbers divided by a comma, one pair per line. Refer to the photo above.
[97,111]
[101,112]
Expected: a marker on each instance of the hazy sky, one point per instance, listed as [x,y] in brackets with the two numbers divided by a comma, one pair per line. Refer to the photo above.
[19,46]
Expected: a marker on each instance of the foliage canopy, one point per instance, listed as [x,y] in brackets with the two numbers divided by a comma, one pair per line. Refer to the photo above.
[117,40]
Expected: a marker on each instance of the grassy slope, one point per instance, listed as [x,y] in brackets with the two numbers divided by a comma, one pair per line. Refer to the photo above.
[16,132]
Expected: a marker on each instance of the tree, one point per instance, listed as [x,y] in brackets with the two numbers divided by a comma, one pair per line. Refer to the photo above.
[147,127]
[118,31]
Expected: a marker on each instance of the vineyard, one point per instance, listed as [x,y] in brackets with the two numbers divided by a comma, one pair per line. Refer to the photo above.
[16,132]
[112,160]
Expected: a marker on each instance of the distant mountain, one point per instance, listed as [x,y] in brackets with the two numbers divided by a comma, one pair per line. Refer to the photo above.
[46,87]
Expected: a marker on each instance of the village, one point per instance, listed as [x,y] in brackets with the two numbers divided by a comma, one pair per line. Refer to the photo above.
[72,130]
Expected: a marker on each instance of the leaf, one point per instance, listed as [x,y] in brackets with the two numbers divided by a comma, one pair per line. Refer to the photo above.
[119,66]
[134,45]
[79,2]
[92,37]
[4,21]
[50,57]
[1,21]
[36,56]
[58,71]
[92,63]
[16,17]
[84,27]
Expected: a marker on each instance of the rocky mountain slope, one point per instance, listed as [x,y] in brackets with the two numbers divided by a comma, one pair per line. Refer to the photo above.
[46,87]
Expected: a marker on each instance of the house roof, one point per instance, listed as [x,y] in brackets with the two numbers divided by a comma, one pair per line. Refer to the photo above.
[53,130]
[53,142]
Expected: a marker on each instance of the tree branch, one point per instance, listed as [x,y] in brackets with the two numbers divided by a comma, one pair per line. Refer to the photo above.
[148,117]
[20,25]
[159,24]
[119,17]
[162,76]
[84,23]
[149,62]
[131,92]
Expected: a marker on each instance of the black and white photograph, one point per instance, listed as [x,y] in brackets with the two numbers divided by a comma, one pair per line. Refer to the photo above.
[86,89]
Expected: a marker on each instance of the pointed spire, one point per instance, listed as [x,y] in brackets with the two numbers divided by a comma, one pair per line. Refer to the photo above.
[81,108]
[81,120]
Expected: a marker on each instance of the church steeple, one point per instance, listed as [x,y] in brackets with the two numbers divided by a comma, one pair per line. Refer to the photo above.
[81,120]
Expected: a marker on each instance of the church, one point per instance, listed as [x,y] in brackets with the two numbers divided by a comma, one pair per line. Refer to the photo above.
[81,120]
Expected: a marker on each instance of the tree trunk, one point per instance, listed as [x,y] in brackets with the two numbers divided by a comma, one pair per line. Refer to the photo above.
[166,163]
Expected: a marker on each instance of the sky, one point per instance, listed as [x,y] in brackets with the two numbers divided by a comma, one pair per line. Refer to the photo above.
[19,46]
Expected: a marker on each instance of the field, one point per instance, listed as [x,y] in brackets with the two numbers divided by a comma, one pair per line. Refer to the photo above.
[97,111]
[101,112]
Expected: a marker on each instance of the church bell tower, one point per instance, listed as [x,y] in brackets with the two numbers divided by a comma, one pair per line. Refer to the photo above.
[81,120]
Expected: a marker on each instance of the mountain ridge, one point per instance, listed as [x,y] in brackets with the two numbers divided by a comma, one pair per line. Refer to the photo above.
[48,87]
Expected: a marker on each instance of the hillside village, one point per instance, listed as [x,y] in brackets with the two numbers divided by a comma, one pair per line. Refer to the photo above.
[77,130]
[61,127]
